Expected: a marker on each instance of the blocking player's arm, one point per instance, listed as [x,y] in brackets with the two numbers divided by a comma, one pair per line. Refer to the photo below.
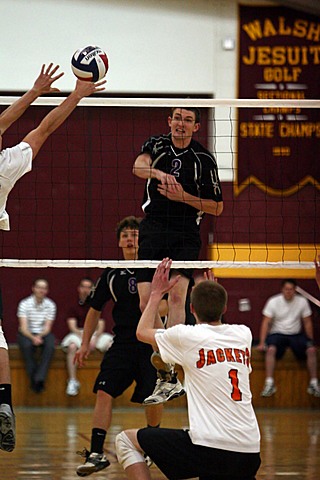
[308,327]
[41,85]
[58,115]
[265,326]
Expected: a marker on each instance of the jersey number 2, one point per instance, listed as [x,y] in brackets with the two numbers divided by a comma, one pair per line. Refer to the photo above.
[236,394]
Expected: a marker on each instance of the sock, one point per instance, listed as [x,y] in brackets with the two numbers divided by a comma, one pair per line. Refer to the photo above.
[5,394]
[314,382]
[269,381]
[98,436]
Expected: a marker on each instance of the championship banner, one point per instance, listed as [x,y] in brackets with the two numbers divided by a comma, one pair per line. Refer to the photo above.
[279,58]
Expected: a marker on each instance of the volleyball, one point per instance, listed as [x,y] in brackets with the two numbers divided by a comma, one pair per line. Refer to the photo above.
[90,63]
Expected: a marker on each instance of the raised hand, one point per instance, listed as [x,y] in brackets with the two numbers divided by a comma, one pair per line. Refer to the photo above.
[161,283]
[84,89]
[46,78]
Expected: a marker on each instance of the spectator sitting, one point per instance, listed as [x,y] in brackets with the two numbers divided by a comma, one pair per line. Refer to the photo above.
[283,317]
[36,315]
[72,341]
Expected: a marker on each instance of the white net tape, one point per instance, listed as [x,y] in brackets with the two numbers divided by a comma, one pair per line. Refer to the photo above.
[149,264]
[173,102]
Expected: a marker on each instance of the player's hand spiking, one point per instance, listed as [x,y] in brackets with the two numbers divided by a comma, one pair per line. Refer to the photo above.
[46,78]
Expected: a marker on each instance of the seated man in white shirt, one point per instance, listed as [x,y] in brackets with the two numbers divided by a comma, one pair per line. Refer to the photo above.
[287,323]
[36,315]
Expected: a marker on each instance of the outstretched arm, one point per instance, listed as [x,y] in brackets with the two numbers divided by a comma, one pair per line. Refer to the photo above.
[41,85]
[58,115]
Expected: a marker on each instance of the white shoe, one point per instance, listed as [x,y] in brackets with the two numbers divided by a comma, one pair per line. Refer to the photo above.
[268,390]
[165,391]
[73,387]
[314,390]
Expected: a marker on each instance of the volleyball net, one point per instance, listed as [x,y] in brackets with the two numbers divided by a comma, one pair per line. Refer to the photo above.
[64,213]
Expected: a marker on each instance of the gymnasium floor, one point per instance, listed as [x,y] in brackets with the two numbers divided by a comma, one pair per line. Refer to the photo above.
[47,441]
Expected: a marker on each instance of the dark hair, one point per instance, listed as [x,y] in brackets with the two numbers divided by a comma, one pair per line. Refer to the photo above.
[289,280]
[209,300]
[195,110]
[128,222]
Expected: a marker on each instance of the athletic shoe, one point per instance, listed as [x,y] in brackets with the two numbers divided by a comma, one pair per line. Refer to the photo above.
[148,460]
[94,463]
[268,390]
[7,428]
[73,387]
[314,390]
[165,391]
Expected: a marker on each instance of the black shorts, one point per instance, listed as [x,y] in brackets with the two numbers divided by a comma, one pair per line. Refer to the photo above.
[178,458]
[156,243]
[124,363]
[298,344]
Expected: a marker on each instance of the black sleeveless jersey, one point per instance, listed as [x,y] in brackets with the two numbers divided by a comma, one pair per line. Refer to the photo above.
[194,167]
[120,286]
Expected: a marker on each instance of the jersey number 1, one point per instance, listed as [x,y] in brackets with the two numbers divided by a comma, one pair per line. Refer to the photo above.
[236,394]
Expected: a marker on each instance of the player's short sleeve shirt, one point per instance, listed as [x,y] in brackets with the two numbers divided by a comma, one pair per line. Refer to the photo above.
[79,311]
[286,316]
[120,286]
[194,167]
[14,163]
[216,363]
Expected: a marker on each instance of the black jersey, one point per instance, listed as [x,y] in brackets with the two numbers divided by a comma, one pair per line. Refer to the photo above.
[120,286]
[194,167]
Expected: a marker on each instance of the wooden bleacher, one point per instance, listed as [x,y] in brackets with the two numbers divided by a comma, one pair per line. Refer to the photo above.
[291,378]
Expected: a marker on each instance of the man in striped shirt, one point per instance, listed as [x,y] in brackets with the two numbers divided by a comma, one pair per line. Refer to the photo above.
[36,315]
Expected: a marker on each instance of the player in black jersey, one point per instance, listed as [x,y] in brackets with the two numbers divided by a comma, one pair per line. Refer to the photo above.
[127,359]
[182,184]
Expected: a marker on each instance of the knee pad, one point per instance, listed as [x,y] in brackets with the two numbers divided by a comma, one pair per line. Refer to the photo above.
[3,343]
[126,452]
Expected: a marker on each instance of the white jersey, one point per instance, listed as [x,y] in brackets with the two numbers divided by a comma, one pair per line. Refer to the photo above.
[37,313]
[216,363]
[286,315]
[14,163]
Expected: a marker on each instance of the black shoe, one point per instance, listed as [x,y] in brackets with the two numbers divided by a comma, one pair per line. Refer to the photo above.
[37,387]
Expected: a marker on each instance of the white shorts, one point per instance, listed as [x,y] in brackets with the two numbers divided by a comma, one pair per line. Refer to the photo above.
[3,343]
[103,344]
[15,162]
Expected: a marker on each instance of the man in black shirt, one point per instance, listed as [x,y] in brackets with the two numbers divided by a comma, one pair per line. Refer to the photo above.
[182,184]
[127,359]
